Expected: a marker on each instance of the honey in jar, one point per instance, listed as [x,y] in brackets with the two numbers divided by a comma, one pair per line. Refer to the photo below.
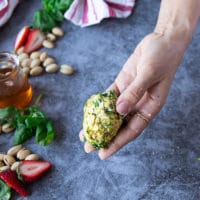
[15,89]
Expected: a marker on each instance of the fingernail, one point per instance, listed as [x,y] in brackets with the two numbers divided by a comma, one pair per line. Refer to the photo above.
[81,138]
[87,150]
[101,156]
[123,108]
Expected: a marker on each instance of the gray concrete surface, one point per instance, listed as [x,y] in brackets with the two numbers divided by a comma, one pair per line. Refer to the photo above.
[161,164]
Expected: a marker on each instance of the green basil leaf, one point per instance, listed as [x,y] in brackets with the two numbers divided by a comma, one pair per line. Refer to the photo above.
[8,114]
[32,122]
[35,112]
[22,133]
[61,5]
[5,191]
[48,4]
[43,20]
[45,133]
[56,15]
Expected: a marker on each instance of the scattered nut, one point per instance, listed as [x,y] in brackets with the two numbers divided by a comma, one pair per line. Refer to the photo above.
[13,150]
[15,165]
[43,56]
[51,37]
[26,62]
[2,156]
[23,153]
[48,44]
[26,70]
[36,71]
[1,164]
[9,160]
[48,61]
[35,54]
[6,66]
[52,68]
[32,157]
[35,62]
[7,128]
[66,69]
[58,31]
[3,168]
[22,56]
[20,50]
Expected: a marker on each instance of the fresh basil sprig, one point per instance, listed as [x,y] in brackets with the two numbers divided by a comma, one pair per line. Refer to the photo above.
[27,123]
[53,13]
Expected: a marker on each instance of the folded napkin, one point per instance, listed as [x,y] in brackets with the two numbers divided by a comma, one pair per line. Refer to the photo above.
[6,9]
[89,12]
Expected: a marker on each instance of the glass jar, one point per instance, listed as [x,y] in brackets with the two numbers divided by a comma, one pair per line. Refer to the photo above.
[14,87]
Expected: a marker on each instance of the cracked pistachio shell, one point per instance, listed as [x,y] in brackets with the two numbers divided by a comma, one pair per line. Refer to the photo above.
[23,153]
[4,168]
[15,165]
[13,150]
[9,160]
[32,157]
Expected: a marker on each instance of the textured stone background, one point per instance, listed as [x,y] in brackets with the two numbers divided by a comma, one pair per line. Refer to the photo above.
[161,164]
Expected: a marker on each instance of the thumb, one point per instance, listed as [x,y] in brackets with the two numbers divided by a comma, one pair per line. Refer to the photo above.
[132,94]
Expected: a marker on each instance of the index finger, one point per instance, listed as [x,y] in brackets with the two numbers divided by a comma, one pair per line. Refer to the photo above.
[126,75]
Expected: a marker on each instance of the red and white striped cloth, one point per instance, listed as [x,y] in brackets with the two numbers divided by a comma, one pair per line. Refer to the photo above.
[90,12]
[81,12]
[6,9]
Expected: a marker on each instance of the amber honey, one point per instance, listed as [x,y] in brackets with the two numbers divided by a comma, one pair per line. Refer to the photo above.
[15,89]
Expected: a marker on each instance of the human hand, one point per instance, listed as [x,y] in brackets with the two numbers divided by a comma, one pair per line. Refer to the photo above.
[142,87]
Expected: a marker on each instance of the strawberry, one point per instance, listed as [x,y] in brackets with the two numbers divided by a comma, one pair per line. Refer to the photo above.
[34,41]
[21,37]
[10,178]
[32,170]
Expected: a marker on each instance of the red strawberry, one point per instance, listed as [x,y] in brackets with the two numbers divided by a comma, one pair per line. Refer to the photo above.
[21,37]
[32,170]
[34,41]
[10,178]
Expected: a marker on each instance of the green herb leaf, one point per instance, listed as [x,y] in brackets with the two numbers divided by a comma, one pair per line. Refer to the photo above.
[45,133]
[96,104]
[52,13]
[60,5]
[27,123]
[43,20]
[8,114]
[22,133]
[99,145]
[5,191]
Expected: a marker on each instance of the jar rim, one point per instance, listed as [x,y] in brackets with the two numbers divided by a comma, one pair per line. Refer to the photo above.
[6,56]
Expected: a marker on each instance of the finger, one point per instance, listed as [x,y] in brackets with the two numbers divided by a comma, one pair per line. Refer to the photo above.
[154,99]
[88,148]
[81,136]
[127,134]
[123,80]
[126,75]
[134,92]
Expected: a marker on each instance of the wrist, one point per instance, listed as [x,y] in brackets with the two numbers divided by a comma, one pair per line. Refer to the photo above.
[176,32]
[177,20]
